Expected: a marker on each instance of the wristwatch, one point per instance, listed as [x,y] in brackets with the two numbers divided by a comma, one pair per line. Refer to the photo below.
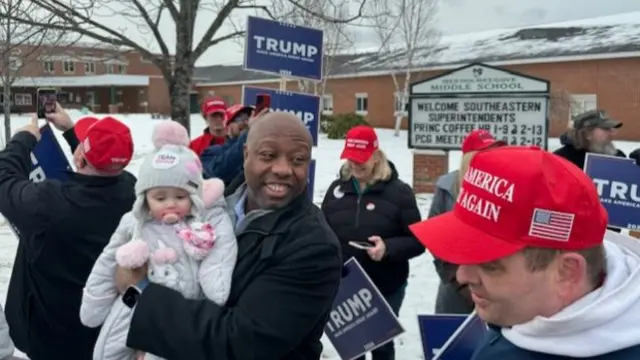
[131,295]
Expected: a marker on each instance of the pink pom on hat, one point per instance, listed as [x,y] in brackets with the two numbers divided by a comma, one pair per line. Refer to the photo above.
[169,132]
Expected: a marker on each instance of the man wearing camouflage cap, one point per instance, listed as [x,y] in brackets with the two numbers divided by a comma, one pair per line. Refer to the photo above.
[593,132]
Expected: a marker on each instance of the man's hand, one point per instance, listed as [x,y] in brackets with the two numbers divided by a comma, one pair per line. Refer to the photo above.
[32,127]
[129,277]
[257,116]
[59,118]
[377,252]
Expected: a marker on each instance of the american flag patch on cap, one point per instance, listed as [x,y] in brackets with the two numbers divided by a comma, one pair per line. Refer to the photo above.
[551,225]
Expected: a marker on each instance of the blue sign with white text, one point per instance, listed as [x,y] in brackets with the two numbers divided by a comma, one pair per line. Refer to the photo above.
[617,180]
[464,341]
[304,106]
[435,330]
[311,179]
[48,160]
[361,319]
[285,49]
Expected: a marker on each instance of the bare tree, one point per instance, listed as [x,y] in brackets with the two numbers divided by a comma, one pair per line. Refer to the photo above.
[78,16]
[406,30]
[336,40]
[20,46]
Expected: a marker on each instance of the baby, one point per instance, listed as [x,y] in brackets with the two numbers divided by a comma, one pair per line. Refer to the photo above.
[178,226]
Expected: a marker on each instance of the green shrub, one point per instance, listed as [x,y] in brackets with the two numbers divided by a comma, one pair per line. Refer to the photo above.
[325,120]
[337,127]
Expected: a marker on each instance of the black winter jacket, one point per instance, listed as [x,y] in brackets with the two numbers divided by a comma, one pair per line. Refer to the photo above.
[286,277]
[385,209]
[576,156]
[62,227]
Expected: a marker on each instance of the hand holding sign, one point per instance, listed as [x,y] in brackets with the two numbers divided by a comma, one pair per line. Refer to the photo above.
[32,127]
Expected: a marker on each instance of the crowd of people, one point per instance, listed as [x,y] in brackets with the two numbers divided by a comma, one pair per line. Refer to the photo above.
[214,250]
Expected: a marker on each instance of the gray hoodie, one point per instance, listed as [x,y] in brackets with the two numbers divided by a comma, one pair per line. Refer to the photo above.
[451,298]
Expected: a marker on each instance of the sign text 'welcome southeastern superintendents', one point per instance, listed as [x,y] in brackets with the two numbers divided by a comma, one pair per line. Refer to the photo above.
[443,123]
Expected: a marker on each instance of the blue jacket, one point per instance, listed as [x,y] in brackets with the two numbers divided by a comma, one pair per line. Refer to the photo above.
[602,325]
[226,161]
[495,346]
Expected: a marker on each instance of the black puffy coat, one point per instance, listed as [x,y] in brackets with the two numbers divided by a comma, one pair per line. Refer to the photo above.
[385,209]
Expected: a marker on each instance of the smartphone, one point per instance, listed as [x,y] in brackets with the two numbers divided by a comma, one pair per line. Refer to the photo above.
[47,99]
[362,245]
[263,101]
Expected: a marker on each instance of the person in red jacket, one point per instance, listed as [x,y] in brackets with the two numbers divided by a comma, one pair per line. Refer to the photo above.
[214,111]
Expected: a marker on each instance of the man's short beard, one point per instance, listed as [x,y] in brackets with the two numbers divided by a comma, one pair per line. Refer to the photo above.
[605,149]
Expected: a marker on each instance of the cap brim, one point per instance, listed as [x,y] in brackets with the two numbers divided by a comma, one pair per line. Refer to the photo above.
[494,143]
[357,156]
[211,112]
[450,239]
[82,126]
[610,124]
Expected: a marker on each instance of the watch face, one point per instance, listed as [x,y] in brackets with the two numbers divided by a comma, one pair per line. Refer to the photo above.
[130,296]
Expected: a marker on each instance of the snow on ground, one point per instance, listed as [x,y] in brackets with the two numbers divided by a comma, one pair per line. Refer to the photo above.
[423,280]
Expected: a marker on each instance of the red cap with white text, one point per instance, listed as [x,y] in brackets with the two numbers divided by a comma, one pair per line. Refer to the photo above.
[107,143]
[479,140]
[360,144]
[515,197]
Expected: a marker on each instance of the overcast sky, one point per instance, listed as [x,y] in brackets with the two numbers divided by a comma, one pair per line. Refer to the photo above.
[455,16]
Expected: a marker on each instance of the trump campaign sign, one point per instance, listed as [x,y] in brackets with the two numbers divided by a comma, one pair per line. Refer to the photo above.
[285,49]
[360,320]
[617,180]
[304,106]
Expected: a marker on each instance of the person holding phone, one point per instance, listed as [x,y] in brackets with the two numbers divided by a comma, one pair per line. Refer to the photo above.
[370,210]
[62,228]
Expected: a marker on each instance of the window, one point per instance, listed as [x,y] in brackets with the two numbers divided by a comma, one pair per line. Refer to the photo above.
[47,66]
[580,104]
[68,66]
[89,68]
[23,99]
[90,98]
[116,69]
[400,106]
[362,103]
[327,104]
[228,99]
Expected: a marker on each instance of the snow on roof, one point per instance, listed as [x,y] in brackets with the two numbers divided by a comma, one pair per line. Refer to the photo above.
[605,34]
[602,35]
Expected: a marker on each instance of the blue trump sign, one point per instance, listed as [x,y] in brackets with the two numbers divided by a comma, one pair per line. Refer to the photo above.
[48,161]
[285,49]
[311,179]
[304,106]
[464,341]
[360,319]
[435,330]
[617,180]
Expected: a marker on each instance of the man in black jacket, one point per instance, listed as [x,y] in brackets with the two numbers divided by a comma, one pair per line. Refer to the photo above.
[287,274]
[593,132]
[62,228]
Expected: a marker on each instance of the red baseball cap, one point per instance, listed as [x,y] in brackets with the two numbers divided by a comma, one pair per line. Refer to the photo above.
[515,197]
[479,140]
[214,105]
[234,110]
[107,143]
[360,144]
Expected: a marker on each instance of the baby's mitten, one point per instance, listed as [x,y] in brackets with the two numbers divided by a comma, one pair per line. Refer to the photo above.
[133,254]
[198,239]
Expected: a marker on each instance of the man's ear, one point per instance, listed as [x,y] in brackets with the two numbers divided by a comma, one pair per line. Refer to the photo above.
[245,153]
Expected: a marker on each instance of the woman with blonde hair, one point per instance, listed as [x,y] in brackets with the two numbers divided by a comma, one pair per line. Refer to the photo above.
[452,298]
[370,209]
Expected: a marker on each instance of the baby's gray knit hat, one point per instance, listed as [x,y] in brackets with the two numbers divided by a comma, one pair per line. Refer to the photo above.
[171,164]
